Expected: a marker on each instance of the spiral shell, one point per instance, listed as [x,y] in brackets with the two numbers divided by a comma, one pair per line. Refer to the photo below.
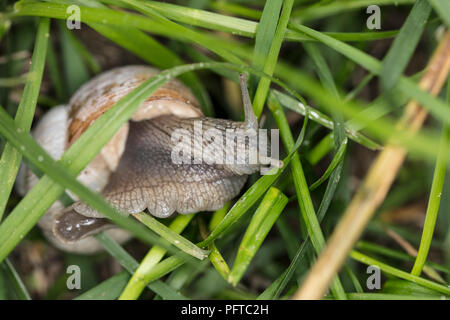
[102,92]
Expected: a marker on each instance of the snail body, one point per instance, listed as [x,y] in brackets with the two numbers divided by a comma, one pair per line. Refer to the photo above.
[135,171]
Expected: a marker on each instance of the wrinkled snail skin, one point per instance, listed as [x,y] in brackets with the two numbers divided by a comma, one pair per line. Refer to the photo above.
[134,171]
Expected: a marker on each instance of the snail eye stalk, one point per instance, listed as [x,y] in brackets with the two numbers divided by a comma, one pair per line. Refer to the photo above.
[250,118]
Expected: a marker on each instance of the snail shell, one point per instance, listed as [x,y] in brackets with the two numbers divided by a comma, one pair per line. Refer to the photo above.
[134,171]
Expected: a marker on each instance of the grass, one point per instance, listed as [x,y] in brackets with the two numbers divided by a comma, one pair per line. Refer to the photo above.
[435,198]
[304,63]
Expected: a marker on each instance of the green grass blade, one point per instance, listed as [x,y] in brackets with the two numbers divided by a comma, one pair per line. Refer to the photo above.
[205,19]
[364,82]
[272,57]
[246,28]
[354,279]
[55,73]
[340,140]
[135,286]
[423,144]
[173,262]
[399,273]
[157,25]
[218,216]
[130,264]
[387,296]
[435,197]
[321,149]
[14,279]
[395,254]
[265,32]
[381,106]
[215,256]
[172,236]
[87,57]
[261,223]
[290,238]
[208,42]
[321,67]
[235,9]
[337,159]
[10,158]
[327,80]
[74,69]
[321,118]
[107,290]
[164,267]
[274,290]
[264,37]
[218,261]
[442,8]
[404,44]
[325,9]
[436,106]
[307,210]
[113,17]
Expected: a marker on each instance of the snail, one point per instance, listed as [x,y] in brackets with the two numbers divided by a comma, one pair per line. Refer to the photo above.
[135,171]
